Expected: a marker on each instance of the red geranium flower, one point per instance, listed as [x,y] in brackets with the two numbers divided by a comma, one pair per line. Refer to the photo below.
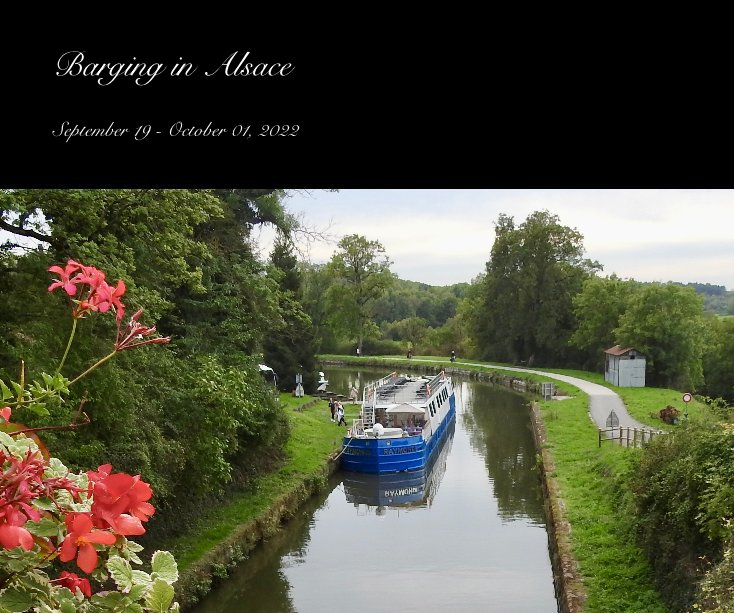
[73,581]
[65,280]
[12,533]
[106,296]
[79,538]
[120,501]
[5,413]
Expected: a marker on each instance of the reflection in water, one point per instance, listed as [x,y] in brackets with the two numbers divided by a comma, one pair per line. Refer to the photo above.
[503,437]
[480,545]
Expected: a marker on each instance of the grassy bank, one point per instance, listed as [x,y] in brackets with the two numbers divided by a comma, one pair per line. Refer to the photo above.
[615,575]
[225,535]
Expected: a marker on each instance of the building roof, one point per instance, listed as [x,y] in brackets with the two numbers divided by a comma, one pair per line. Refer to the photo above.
[617,350]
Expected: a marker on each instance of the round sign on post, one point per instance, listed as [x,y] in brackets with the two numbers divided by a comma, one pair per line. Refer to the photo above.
[687,397]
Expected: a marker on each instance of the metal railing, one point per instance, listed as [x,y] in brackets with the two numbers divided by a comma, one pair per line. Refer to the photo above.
[627,437]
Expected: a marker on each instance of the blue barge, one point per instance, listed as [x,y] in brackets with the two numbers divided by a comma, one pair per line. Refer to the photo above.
[401,425]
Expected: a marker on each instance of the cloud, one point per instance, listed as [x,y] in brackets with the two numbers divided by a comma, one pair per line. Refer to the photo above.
[445,236]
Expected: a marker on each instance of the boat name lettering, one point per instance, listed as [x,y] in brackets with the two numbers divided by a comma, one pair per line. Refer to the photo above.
[404,491]
[397,450]
[356,451]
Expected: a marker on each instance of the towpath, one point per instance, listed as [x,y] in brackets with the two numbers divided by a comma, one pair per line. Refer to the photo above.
[602,400]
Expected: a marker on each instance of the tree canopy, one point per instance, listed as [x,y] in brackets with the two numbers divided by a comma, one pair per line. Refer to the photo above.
[534,271]
[360,269]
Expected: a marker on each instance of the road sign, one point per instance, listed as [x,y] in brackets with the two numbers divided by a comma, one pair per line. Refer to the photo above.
[612,420]
[687,397]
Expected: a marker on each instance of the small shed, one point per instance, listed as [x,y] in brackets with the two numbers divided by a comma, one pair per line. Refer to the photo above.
[624,367]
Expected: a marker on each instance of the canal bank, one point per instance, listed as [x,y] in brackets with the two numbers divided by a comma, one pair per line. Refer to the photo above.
[567,578]
[468,534]
[622,579]
[598,565]
[227,534]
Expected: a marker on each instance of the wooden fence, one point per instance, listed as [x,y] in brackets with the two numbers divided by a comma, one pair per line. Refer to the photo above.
[626,436]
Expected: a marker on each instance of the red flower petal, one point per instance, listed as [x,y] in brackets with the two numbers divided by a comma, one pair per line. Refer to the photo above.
[101,537]
[127,525]
[87,559]
[68,549]
[118,484]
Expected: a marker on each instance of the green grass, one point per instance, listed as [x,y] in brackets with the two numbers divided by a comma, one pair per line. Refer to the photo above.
[616,575]
[313,439]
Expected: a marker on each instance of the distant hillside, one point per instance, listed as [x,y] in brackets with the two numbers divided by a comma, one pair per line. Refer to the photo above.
[716,299]
[406,299]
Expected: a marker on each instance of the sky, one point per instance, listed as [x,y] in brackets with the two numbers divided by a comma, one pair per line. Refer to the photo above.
[442,237]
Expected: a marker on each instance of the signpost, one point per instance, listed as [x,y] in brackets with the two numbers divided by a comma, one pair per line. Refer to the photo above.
[299,385]
[686,398]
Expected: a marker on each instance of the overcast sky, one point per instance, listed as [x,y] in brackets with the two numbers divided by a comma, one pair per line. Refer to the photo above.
[441,237]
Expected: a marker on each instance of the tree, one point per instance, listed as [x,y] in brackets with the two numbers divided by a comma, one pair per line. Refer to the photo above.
[533,273]
[361,272]
[289,347]
[411,329]
[597,308]
[718,360]
[666,322]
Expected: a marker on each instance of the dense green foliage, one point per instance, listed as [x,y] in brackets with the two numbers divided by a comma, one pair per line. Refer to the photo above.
[360,273]
[187,258]
[683,500]
[534,271]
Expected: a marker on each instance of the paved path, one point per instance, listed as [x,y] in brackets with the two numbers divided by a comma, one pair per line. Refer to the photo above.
[602,400]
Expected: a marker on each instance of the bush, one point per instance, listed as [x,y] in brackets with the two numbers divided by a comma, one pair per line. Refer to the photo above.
[683,492]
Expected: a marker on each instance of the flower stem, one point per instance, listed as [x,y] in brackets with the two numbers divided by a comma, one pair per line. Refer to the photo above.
[68,346]
[92,367]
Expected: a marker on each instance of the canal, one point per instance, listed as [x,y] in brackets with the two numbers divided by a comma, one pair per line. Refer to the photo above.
[469,535]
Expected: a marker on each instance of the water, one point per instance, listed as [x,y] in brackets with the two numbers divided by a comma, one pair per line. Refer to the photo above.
[471,537]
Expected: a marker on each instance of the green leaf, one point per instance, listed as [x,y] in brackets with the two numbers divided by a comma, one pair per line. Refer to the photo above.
[44,504]
[133,546]
[141,577]
[160,597]
[39,408]
[67,606]
[45,527]
[110,600]
[133,607]
[16,601]
[121,572]
[6,393]
[138,591]
[163,565]
[18,389]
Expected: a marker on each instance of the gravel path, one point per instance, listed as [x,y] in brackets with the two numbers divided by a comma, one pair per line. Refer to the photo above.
[602,400]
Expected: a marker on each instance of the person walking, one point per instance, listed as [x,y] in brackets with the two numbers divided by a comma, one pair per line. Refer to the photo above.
[340,415]
[332,408]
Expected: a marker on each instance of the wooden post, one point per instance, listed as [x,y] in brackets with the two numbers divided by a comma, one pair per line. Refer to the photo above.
[600,438]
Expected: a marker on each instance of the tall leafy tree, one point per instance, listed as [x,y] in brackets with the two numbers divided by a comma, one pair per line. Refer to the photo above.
[665,322]
[288,348]
[533,273]
[361,272]
[315,281]
[718,360]
[597,308]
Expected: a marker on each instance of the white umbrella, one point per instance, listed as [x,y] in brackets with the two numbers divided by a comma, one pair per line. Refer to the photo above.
[406,408]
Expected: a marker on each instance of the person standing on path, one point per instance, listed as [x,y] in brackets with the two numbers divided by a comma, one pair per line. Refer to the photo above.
[340,414]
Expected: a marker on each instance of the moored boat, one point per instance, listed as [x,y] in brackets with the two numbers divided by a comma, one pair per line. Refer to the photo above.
[414,488]
[401,425]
